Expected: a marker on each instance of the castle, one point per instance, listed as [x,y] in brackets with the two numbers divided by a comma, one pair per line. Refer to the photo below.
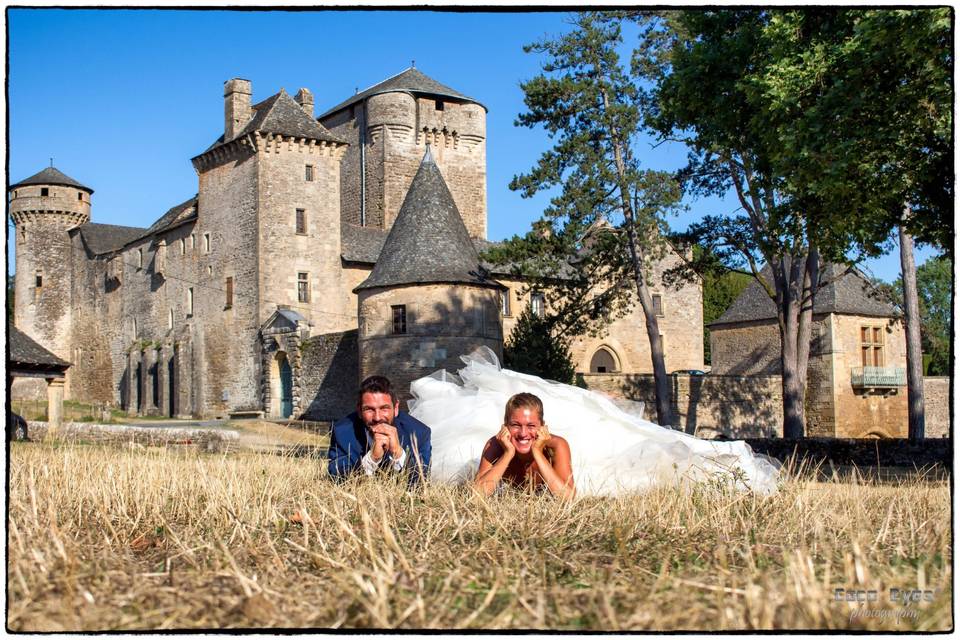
[318,250]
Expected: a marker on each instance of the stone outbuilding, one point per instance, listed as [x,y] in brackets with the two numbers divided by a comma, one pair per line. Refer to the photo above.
[428,299]
[28,359]
[856,382]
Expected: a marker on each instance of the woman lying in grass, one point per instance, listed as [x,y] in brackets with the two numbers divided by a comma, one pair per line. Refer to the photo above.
[525,454]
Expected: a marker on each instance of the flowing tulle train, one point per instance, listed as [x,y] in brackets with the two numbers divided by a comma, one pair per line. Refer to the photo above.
[613,451]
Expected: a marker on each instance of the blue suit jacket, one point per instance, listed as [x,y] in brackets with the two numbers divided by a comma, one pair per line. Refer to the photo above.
[348,443]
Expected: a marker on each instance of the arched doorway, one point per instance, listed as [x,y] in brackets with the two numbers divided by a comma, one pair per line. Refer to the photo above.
[281,386]
[603,361]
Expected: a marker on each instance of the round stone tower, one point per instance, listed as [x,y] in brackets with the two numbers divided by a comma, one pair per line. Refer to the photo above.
[43,208]
[428,300]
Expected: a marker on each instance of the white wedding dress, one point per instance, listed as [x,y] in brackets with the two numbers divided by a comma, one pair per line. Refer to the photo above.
[613,450]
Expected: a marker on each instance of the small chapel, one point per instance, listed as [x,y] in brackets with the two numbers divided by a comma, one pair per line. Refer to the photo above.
[317,250]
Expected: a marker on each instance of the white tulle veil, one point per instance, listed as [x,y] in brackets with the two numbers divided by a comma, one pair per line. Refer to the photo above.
[614,450]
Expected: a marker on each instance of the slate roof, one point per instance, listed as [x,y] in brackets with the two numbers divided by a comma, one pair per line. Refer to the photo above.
[51,175]
[179,213]
[281,114]
[106,238]
[428,242]
[25,352]
[850,294]
[410,79]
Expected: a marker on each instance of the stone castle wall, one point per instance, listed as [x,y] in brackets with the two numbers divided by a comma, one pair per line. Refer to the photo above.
[705,406]
[226,350]
[283,189]
[330,375]
[936,399]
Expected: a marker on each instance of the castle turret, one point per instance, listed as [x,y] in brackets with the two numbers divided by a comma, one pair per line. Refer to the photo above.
[43,208]
[388,126]
[427,301]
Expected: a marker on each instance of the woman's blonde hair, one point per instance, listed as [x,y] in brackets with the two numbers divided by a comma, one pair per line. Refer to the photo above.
[523,401]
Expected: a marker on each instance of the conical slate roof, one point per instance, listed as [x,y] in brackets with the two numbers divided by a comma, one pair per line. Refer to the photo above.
[52,175]
[847,293]
[410,80]
[280,114]
[428,242]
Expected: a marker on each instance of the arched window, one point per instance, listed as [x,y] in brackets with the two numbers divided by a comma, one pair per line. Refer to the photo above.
[603,361]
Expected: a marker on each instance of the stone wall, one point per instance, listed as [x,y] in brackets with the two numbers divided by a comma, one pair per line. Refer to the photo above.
[210,440]
[330,375]
[705,406]
[936,398]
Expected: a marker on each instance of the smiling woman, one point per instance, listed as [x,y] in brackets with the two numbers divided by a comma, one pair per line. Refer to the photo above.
[524,453]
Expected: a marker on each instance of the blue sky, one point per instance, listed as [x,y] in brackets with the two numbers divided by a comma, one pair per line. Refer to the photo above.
[122,99]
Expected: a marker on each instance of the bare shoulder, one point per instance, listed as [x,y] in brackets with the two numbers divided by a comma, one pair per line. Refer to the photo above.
[559,443]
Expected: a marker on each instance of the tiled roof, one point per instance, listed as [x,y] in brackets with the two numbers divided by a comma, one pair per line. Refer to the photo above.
[428,242]
[850,293]
[280,114]
[51,175]
[24,350]
[411,80]
[106,238]
[179,213]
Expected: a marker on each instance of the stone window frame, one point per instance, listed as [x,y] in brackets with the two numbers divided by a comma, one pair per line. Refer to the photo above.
[505,309]
[183,246]
[438,105]
[139,259]
[399,316]
[135,332]
[193,241]
[170,319]
[872,341]
[207,243]
[44,192]
[229,293]
[657,301]
[189,302]
[303,287]
[308,173]
[38,280]
[538,310]
[300,222]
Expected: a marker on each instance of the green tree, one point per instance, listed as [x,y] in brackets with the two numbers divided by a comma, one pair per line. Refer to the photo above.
[819,124]
[532,348]
[601,234]
[865,98]
[934,287]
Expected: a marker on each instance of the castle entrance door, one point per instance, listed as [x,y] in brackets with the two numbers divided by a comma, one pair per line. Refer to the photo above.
[286,388]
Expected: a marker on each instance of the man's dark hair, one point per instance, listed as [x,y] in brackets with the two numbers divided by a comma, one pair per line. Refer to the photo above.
[376,384]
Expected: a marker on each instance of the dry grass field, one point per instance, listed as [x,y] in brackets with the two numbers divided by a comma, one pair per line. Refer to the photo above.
[104,538]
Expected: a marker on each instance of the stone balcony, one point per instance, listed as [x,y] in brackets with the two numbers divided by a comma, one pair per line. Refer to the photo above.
[878,377]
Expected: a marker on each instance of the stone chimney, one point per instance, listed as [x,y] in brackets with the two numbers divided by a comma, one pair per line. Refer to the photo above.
[236,106]
[305,99]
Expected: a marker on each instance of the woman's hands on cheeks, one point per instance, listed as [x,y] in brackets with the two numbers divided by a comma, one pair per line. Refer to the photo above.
[543,437]
[503,437]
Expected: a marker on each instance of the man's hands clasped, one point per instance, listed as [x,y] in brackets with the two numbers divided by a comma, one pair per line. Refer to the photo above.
[385,439]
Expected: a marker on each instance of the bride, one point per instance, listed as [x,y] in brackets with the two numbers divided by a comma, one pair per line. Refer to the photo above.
[612,451]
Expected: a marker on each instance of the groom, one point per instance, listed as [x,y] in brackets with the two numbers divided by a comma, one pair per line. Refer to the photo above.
[378,437]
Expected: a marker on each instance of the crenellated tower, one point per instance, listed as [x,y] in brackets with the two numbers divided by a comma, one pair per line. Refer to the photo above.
[389,126]
[43,208]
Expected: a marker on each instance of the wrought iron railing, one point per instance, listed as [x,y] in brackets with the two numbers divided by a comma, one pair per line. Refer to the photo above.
[862,377]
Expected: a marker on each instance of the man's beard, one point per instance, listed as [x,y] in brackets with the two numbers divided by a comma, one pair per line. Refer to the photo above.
[388,421]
